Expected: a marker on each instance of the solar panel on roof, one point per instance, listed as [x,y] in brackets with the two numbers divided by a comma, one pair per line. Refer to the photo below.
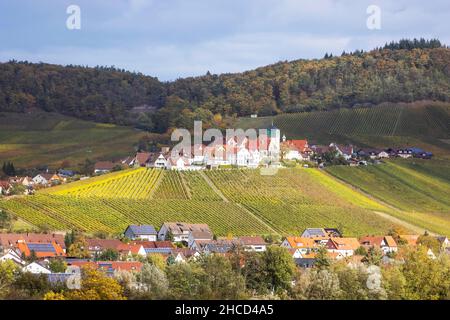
[41,247]
[158,250]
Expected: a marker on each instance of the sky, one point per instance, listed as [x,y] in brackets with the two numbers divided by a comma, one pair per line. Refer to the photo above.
[170,39]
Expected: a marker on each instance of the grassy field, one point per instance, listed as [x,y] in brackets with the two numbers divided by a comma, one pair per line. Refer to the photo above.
[423,125]
[286,203]
[419,188]
[37,139]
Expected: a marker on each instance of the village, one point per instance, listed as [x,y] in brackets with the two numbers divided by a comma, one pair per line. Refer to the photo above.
[246,153]
[178,242]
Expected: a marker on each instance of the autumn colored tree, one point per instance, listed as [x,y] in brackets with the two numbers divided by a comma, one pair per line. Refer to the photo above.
[95,285]
[79,248]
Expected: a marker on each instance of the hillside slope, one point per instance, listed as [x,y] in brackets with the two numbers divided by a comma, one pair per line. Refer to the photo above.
[396,74]
[420,189]
[39,139]
[286,203]
[424,124]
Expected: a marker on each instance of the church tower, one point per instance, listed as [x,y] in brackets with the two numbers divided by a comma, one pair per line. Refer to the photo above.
[274,142]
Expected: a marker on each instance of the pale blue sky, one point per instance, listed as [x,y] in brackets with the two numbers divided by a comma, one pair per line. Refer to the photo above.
[179,38]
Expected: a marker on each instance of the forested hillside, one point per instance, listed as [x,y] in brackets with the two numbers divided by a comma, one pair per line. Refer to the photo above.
[400,72]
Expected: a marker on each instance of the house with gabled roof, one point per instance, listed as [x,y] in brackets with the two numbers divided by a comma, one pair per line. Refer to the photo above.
[410,239]
[97,246]
[444,242]
[13,256]
[46,179]
[304,245]
[346,151]
[10,240]
[159,161]
[256,244]
[314,232]
[101,167]
[344,246]
[36,268]
[220,246]
[143,232]
[40,250]
[155,247]
[180,230]
[128,250]
[196,235]
[5,188]
[142,159]
[296,149]
[386,244]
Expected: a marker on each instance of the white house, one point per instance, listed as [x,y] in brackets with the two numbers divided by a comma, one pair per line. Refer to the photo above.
[383,154]
[143,232]
[386,244]
[36,268]
[161,162]
[41,179]
[13,256]
[256,244]
[181,163]
[179,231]
[304,245]
[344,246]
[46,178]
[199,236]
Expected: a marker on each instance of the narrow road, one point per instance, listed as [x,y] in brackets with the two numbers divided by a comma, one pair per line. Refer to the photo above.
[405,224]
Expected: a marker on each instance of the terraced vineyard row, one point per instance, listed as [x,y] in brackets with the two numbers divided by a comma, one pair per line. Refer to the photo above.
[287,202]
[131,184]
[199,188]
[294,199]
[113,215]
[422,194]
[172,186]
[424,125]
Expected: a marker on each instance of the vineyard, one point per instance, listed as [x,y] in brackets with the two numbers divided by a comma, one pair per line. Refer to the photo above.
[420,189]
[424,125]
[239,202]
[38,138]
[131,184]
[295,199]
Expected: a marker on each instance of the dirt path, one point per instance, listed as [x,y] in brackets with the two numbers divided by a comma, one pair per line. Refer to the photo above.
[221,195]
[156,185]
[403,223]
[387,216]
[213,186]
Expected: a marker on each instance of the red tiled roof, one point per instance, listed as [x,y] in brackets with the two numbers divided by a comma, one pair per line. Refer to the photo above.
[343,243]
[154,244]
[300,145]
[10,239]
[300,242]
[143,157]
[103,244]
[131,248]
[252,241]
[410,238]
[25,249]
[5,184]
[377,240]
[104,165]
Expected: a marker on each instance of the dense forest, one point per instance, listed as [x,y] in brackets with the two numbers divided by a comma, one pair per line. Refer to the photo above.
[403,71]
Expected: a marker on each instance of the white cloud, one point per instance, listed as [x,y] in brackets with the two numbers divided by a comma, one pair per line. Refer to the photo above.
[174,38]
